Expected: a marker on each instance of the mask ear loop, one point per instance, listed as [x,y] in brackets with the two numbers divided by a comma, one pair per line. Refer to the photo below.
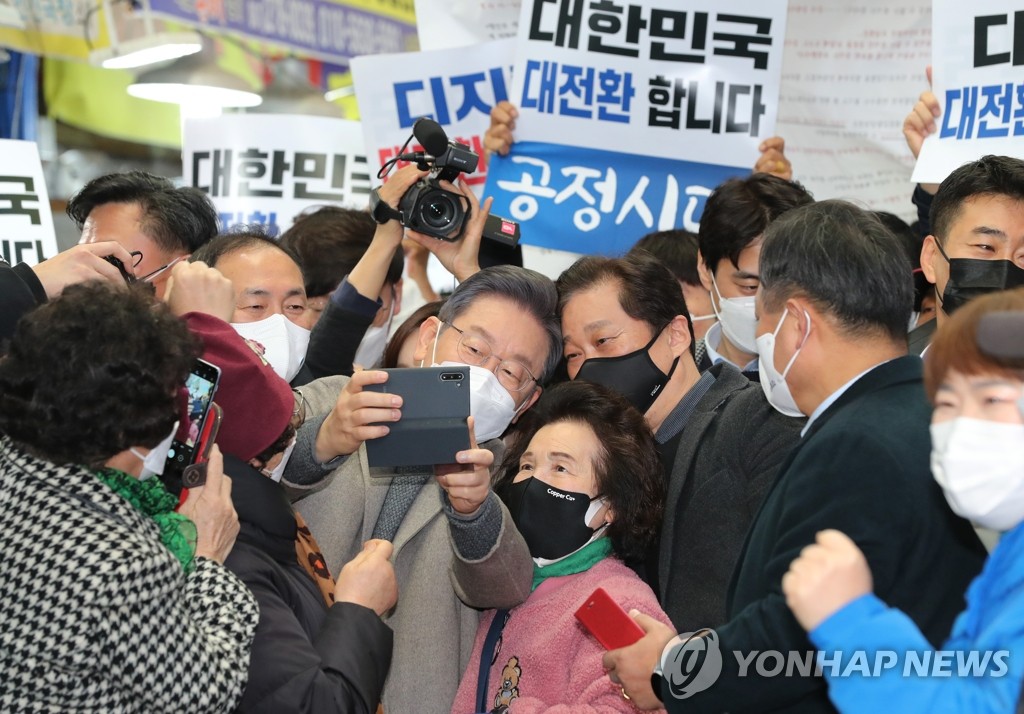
[800,347]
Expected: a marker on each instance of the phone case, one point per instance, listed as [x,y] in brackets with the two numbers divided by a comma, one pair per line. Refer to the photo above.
[608,622]
[204,379]
[435,406]
[194,475]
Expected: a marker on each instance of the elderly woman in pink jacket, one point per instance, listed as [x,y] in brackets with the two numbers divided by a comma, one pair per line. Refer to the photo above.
[584,485]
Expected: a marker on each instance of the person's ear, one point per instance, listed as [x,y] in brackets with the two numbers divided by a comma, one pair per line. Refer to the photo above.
[705,275]
[427,333]
[929,253]
[397,297]
[529,402]
[679,335]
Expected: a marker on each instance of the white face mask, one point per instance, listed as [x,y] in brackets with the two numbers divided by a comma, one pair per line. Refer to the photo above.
[284,343]
[739,322]
[490,404]
[371,347]
[980,466]
[278,471]
[773,383]
[153,462]
[914,317]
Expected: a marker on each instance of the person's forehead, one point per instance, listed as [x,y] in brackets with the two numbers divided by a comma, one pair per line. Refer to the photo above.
[592,308]
[120,222]
[989,211]
[252,267]
[513,332]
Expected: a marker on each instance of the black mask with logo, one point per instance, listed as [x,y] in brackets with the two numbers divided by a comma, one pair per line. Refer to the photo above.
[970,278]
[633,375]
[552,521]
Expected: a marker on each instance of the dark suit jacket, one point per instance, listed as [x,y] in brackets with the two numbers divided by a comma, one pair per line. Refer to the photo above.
[863,468]
[728,456]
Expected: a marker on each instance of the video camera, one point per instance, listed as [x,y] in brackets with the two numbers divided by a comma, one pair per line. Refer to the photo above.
[427,207]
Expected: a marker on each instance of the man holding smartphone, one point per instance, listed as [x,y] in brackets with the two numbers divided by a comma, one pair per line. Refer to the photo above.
[455,550]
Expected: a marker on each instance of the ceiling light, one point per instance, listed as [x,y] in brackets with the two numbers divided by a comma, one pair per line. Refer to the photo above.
[10,17]
[148,49]
[195,79]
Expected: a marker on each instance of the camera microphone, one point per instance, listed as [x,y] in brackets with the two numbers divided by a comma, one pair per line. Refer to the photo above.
[431,136]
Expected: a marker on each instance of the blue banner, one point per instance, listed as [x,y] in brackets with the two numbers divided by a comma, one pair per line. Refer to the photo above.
[598,202]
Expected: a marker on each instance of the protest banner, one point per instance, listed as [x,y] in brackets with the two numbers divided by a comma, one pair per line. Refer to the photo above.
[443,24]
[630,113]
[455,88]
[978,78]
[266,169]
[26,223]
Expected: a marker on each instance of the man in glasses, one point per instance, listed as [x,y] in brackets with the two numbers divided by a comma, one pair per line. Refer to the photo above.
[153,220]
[455,550]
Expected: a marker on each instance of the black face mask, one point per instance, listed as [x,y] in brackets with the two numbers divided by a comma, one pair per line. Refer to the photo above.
[634,375]
[552,521]
[970,278]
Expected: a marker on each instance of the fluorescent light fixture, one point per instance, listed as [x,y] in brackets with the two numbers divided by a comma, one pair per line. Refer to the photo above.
[148,49]
[195,79]
[10,17]
[339,93]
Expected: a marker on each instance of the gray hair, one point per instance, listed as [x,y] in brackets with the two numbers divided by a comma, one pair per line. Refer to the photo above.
[533,292]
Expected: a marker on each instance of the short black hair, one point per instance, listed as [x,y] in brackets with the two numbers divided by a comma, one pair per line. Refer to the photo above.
[240,237]
[988,176]
[677,251]
[911,242]
[177,219]
[739,210]
[97,370]
[647,290]
[845,261]
[628,471]
[328,243]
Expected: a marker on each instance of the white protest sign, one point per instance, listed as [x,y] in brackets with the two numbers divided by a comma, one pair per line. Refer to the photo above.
[26,224]
[978,78]
[445,24]
[644,77]
[845,93]
[267,168]
[455,88]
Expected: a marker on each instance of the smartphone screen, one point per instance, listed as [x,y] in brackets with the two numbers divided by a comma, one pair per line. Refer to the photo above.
[201,386]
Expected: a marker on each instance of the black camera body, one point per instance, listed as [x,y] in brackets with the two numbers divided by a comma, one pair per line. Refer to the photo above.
[427,207]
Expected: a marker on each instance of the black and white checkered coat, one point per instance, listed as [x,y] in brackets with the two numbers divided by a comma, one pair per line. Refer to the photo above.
[95,613]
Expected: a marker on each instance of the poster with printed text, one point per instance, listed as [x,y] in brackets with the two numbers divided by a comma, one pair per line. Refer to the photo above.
[267,169]
[978,79]
[26,223]
[455,88]
[631,112]
[444,24]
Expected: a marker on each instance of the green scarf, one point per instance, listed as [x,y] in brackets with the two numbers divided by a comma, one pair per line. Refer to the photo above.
[151,499]
[580,561]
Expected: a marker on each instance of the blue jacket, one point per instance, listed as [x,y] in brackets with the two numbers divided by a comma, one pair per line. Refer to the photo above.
[992,623]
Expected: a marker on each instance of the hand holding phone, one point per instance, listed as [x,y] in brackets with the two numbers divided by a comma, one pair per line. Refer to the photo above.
[608,622]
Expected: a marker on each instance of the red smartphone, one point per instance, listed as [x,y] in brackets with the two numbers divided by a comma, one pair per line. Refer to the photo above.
[608,622]
[194,475]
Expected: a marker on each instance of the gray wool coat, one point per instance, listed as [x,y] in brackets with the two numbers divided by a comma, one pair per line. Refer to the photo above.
[448,569]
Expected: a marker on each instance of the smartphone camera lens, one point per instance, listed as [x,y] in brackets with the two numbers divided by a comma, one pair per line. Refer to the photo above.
[451,376]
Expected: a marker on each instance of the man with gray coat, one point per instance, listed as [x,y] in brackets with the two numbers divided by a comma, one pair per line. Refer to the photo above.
[456,550]
[626,326]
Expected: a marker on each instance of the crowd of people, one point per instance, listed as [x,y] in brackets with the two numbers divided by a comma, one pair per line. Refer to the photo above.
[798,432]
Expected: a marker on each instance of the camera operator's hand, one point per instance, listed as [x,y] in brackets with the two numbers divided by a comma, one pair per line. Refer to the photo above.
[467,482]
[349,423]
[212,511]
[461,258]
[498,137]
[920,123]
[773,159]
[196,287]
[369,578]
[80,263]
